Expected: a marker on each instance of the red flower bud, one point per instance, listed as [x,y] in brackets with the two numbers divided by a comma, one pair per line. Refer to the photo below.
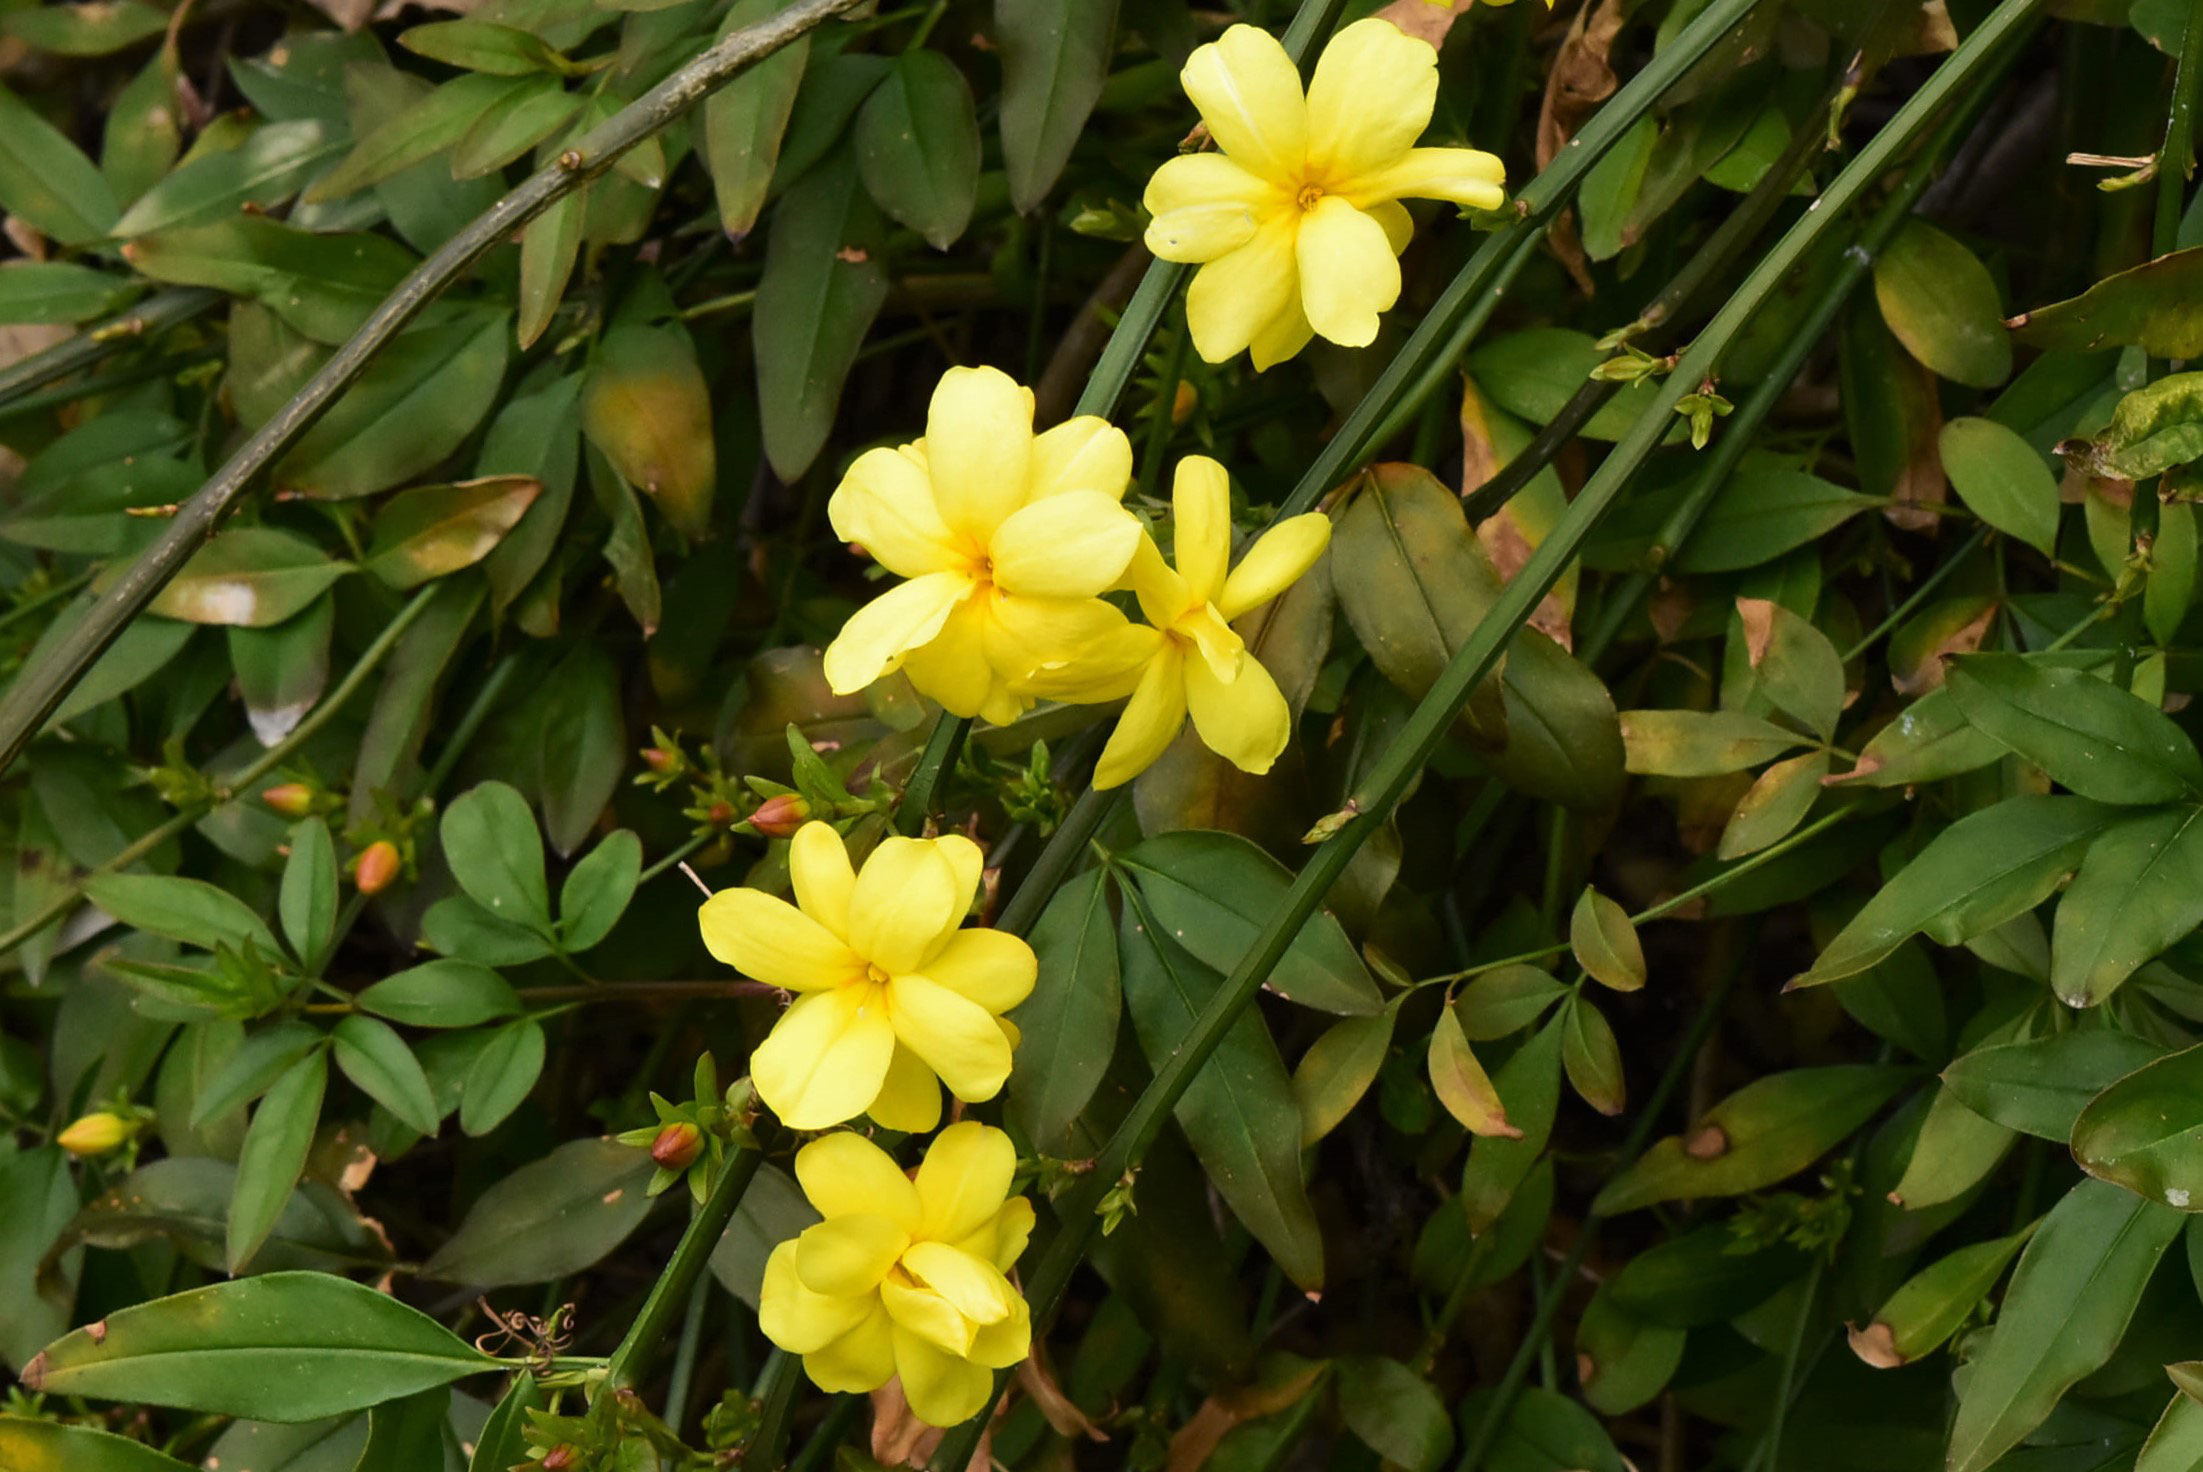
[376,867]
[658,759]
[291,799]
[720,814]
[780,817]
[558,1459]
[677,1146]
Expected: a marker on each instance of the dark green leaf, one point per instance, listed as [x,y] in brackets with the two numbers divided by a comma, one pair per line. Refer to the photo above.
[248,577]
[308,902]
[2150,306]
[441,994]
[2145,1132]
[250,1071]
[268,166]
[596,890]
[1395,1412]
[504,1444]
[917,144]
[416,403]
[188,910]
[1762,511]
[822,286]
[481,46]
[502,1075]
[276,1143]
[491,844]
[584,747]
[745,120]
[1337,1070]
[1054,58]
[550,1218]
[2002,480]
[99,28]
[323,286]
[282,670]
[2039,1087]
[2139,890]
[1068,1026]
[2088,734]
[59,291]
[47,181]
[1605,942]
[373,1056]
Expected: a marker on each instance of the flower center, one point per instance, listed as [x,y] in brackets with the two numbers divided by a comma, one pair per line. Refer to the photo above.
[875,975]
[1309,197]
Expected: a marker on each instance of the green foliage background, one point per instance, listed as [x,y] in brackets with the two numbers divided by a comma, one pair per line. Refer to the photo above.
[1743,803]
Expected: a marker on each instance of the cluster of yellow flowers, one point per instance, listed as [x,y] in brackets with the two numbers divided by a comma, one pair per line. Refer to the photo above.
[1009,543]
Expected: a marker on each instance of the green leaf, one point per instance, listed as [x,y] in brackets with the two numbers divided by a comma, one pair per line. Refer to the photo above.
[2040,1086]
[2170,591]
[1395,1412]
[1533,373]
[1935,1303]
[282,670]
[267,167]
[634,564]
[182,1201]
[416,403]
[1068,1026]
[275,1149]
[322,286]
[2145,1132]
[647,409]
[482,46]
[548,248]
[504,1441]
[457,926]
[2071,1297]
[1764,1132]
[1703,1277]
[49,1446]
[1623,1361]
[59,291]
[307,903]
[1212,893]
[250,577]
[1054,60]
[2152,306]
[2139,890]
[773,1211]
[41,1195]
[1939,300]
[822,286]
[332,1445]
[1775,803]
[491,843]
[144,135]
[584,745]
[279,1347]
[47,181]
[1762,511]
[441,994]
[1929,740]
[250,1071]
[1955,1152]
[1337,1070]
[1238,1110]
[406,703]
[502,1076]
[2002,480]
[1504,1001]
[411,134]
[188,910]
[2175,1444]
[100,28]
[373,1056]
[1461,1083]
[1544,1431]
[1972,877]
[527,111]
[1795,665]
[745,120]
[596,890]
[1529,1086]
[535,434]
[1691,743]
[2091,736]
[1605,942]
[550,1218]
[1592,1057]
[407,1432]
[433,531]
[917,145]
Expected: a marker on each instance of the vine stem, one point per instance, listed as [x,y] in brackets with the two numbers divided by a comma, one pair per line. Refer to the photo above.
[157,313]
[2176,160]
[39,690]
[669,1295]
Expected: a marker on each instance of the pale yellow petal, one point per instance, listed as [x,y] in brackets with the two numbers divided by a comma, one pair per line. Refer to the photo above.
[905,898]
[910,1098]
[881,633]
[1369,100]
[1277,560]
[963,1181]
[1082,454]
[845,1256]
[992,967]
[860,1361]
[1468,177]
[943,1389]
[1234,297]
[1399,225]
[1204,204]
[1282,337]
[977,1291]
[772,941]
[999,1346]
[1072,545]
[844,1174]
[1217,642]
[1201,521]
[956,1036]
[979,448]
[818,867]
[1152,717]
[798,1319]
[825,1059]
[1028,638]
[968,862]
[1245,722]
[1248,92]
[885,504]
[1162,593]
[952,667]
[925,1313]
[1103,670]
[1348,274]
[1011,1229]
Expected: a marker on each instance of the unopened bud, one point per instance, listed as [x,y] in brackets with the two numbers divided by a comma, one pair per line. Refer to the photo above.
[780,817]
[658,759]
[720,814]
[677,1146]
[1184,402]
[96,1134]
[291,799]
[376,867]
[559,1458]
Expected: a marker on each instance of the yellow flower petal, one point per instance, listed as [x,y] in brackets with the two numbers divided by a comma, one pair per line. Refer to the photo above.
[1248,91]
[1245,722]
[773,941]
[1281,337]
[1027,638]
[799,1320]
[818,866]
[952,667]
[1369,100]
[991,967]
[1218,643]
[1012,1229]
[956,1036]
[979,448]
[909,1099]
[968,862]
[1082,454]
[1201,518]
[1347,272]
[943,1389]
[977,1291]
[905,900]
[1204,205]
[1072,545]
[999,1346]
[1277,560]
[848,1255]
[1100,670]
[885,504]
[1399,225]
[1162,593]
[860,1361]
[962,1181]
[825,1059]
[844,1174]
[1152,717]
[1234,297]
[900,620]
[1467,176]
[925,1313]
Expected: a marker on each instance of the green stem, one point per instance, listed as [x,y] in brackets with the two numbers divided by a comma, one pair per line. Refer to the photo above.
[684,1354]
[2176,160]
[777,1389]
[686,850]
[923,792]
[669,1294]
[1919,595]
[157,313]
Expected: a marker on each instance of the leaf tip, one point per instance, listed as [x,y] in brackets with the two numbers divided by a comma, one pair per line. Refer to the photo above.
[33,1374]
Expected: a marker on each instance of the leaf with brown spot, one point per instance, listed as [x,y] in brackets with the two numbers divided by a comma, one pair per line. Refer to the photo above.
[1919,651]
[646,407]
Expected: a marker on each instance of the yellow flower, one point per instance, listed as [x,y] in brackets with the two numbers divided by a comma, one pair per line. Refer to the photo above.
[1296,223]
[905,1277]
[890,991]
[1005,536]
[96,1134]
[1190,660]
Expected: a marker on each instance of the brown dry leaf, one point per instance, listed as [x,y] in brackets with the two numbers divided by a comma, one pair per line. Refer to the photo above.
[1581,77]
[1758,615]
[1480,457]
[1876,1344]
[1504,537]
[1423,20]
[1057,1409]
[1927,673]
[1669,609]
[1921,482]
[900,1439]
[25,339]
[1195,1441]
